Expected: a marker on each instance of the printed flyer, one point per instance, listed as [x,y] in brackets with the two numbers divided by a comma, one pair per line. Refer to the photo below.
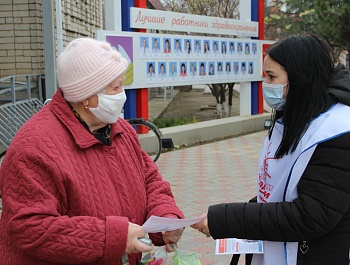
[238,246]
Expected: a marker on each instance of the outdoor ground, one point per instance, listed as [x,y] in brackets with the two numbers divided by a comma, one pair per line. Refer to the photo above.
[195,105]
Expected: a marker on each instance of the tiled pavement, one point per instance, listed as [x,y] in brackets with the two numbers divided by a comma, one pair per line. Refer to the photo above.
[223,171]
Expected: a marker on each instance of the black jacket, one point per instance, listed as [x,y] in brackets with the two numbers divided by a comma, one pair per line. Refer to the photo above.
[321,213]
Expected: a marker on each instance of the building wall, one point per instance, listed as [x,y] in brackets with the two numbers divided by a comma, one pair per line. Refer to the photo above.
[21,38]
[81,18]
[21,31]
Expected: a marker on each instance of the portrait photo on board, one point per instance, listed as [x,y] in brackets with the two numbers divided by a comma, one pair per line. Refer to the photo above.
[150,71]
[219,68]
[197,48]
[193,69]
[231,49]
[223,48]
[155,47]
[183,69]
[172,70]
[177,48]
[247,48]
[144,47]
[162,71]
[167,47]
[215,50]
[243,69]
[206,47]
[211,69]
[254,49]
[202,69]
[250,68]
[239,48]
[188,47]
[228,68]
[235,68]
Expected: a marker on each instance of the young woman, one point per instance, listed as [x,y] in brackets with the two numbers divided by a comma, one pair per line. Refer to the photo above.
[243,69]
[193,71]
[188,47]
[219,72]
[206,47]
[177,49]
[202,69]
[197,48]
[183,70]
[150,73]
[167,48]
[228,68]
[303,194]
[215,48]
[162,72]
[250,69]
[223,48]
[232,48]
[211,69]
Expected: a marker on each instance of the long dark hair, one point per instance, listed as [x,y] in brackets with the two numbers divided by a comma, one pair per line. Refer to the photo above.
[309,62]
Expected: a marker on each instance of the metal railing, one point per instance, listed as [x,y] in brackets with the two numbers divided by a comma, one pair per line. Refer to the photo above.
[11,85]
[13,116]
[21,96]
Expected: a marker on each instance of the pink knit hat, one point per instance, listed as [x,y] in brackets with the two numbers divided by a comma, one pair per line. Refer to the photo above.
[87,66]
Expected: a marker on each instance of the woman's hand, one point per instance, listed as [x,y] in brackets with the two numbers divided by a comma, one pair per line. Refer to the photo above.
[133,244]
[172,237]
[202,226]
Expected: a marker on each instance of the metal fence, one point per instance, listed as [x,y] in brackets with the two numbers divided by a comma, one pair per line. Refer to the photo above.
[11,86]
[13,116]
[21,96]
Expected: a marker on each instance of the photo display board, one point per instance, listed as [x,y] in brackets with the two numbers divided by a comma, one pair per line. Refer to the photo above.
[173,60]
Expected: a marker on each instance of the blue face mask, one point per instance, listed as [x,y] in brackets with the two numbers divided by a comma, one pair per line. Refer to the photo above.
[273,95]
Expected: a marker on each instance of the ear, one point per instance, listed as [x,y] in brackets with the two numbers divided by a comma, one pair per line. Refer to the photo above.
[285,90]
[85,103]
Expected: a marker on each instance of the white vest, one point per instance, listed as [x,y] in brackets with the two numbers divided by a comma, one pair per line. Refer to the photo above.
[278,178]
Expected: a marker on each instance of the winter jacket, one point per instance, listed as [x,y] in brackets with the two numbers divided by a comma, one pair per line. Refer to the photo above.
[68,199]
[319,219]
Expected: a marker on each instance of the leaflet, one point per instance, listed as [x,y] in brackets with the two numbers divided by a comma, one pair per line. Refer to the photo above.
[157,224]
[238,246]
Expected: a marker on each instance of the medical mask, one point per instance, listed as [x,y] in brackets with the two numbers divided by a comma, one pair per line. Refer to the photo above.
[273,95]
[109,107]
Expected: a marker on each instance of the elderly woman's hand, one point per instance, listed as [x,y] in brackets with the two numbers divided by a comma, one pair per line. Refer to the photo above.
[133,244]
[172,237]
[202,226]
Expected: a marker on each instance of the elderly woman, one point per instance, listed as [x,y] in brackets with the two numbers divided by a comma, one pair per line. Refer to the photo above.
[76,185]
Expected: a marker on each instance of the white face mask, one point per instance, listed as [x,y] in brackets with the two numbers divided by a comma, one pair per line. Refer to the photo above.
[273,95]
[109,107]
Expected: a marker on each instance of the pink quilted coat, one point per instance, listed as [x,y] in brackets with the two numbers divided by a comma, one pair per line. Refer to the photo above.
[67,199]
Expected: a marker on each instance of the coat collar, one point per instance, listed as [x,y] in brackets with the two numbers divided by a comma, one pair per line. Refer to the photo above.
[82,137]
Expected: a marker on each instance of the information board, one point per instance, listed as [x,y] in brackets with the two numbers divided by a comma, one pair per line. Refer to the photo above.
[173,60]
